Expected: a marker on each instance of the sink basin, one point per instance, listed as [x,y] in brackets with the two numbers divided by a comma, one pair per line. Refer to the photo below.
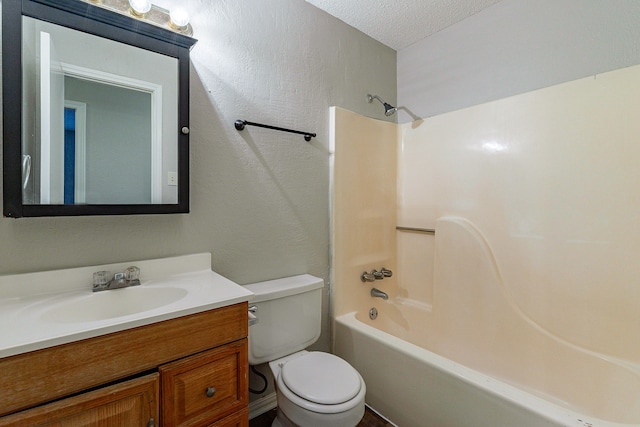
[113,304]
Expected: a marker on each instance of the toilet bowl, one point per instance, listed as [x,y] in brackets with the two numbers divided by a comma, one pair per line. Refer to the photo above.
[318,389]
[313,388]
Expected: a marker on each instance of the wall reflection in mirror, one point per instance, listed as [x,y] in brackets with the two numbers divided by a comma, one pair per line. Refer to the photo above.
[99,120]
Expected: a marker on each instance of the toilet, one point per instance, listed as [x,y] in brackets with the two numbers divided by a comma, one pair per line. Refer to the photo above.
[313,388]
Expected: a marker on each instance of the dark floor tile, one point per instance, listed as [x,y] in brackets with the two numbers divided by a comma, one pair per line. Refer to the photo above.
[370,419]
[263,420]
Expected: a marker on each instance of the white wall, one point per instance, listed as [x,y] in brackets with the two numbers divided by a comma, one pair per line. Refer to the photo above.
[515,46]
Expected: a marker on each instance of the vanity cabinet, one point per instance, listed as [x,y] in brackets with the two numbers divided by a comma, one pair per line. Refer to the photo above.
[187,371]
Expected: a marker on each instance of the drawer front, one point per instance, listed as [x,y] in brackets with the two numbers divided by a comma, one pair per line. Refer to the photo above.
[202,389]
[239,419]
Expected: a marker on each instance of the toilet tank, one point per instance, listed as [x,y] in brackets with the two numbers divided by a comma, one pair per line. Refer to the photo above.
[289,312]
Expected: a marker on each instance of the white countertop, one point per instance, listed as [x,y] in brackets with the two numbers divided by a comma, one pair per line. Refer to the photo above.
[31,319]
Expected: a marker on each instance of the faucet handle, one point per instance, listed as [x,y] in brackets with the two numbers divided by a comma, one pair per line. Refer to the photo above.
[367,277]
[378,275]
[386,272]
[132,273]
[101,279]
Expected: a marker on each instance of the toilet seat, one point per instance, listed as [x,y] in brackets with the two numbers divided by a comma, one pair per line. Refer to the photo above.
[318,377]
[321,378]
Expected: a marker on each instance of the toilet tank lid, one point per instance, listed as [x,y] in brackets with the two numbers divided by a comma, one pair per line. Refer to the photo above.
[286,286]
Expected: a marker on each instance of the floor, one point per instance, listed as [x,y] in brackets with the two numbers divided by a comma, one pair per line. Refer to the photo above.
[370,419]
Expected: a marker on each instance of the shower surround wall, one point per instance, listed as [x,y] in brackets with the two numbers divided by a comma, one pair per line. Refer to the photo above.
[551,180]
[531,277]
[364,152]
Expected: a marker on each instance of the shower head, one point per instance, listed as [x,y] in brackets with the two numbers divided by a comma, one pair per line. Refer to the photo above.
[389,109]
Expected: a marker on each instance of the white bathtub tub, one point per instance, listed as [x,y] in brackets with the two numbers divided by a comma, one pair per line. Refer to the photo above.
[416,387]
[474,358]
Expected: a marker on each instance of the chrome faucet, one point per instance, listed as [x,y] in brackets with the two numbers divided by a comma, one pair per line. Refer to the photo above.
[102,280]
[377,293]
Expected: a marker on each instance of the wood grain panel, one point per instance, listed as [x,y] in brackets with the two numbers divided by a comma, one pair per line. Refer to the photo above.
[185,382]
[130,403]
[40,376]
[239,419]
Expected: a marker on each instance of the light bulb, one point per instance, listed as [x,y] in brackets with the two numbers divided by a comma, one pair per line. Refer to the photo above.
[140,7]
[179,18]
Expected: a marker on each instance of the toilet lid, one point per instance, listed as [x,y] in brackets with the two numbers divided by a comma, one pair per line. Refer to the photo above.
[321,378]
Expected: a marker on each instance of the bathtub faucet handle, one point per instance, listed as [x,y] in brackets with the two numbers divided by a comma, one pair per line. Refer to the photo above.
[367,277]
[378,275]
[385,272]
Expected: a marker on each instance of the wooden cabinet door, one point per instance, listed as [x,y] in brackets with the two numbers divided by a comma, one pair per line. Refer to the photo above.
[204,388]
[130,403]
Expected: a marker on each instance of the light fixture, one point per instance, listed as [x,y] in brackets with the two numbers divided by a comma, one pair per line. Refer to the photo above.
[139,8]
[178,19]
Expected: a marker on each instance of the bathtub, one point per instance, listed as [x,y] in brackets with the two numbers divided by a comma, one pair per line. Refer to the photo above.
[475,359]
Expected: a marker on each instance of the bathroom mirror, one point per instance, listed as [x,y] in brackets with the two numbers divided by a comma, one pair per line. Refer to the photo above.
[95,112]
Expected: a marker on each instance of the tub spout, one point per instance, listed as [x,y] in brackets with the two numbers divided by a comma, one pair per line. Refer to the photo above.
[377,293]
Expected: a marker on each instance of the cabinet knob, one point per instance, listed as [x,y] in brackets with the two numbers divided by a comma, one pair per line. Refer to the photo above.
[210,391]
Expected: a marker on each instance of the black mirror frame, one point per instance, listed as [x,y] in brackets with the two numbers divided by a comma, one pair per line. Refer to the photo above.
[98,21]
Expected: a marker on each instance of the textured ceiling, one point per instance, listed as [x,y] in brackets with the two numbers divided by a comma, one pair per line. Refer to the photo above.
[400,23]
